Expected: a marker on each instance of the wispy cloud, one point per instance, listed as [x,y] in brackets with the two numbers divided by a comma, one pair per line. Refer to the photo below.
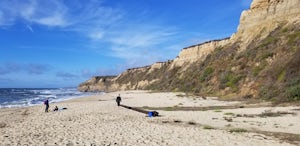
[33,69]
[29,28]
[2,19]
[49,13]
[89,18]
[135,40]
[139,45]
[75,15]
[9,68]
[66,75]
[36,69]
[141,37]
[5,80]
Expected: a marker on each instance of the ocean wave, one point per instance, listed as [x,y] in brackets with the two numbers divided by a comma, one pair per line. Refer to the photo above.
[22,97]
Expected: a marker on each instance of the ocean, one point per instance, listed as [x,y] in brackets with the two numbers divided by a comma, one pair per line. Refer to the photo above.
[23,97]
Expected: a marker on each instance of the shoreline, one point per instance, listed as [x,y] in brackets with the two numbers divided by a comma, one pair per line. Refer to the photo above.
[97,120]
[26,97]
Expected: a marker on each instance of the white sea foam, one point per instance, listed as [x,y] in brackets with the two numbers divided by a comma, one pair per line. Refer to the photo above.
[30,97]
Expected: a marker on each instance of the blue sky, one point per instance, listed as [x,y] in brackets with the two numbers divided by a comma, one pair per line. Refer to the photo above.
[60,43]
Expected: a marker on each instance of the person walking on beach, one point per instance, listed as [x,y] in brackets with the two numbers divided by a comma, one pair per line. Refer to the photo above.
[118,100]
[46,102]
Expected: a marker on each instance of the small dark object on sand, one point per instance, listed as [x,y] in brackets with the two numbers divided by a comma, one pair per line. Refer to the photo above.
[153,114]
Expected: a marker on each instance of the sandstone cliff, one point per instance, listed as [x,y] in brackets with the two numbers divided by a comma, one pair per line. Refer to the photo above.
[97,84]
[263,17]
[260,60]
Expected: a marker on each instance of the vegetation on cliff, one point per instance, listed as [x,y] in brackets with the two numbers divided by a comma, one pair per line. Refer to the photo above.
[261,61]
[269,68]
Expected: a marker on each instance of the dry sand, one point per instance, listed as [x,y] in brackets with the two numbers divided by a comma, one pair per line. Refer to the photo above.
[96,120]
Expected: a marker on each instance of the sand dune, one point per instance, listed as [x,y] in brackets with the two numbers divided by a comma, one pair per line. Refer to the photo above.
[96,120]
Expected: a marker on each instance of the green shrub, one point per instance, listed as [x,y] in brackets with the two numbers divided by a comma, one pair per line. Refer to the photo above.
[281,76]
[293,38]
[229,79]
[256,70]
[206,74]
[218,110]
[268,40]
[169,108]
[218,50]
[294,93]
[268,92]
[208,127]
[249,53]
[231,114]
[239,130]
[293,89]
[265,55]
[284,30]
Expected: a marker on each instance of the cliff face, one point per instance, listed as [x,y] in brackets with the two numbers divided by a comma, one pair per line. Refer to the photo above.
[263,17]
[97,84]
[198,52]
[262,55]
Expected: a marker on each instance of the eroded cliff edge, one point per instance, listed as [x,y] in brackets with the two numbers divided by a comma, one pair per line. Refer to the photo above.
[262,59]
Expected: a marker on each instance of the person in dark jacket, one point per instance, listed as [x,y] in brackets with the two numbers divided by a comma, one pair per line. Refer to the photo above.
[46,102]
[118,100]
[56,108]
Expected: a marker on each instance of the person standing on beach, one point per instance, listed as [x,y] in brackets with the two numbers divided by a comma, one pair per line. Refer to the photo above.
[118,100]
[46,102]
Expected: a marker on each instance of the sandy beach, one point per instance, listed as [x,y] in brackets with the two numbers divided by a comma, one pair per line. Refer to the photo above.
[184,120]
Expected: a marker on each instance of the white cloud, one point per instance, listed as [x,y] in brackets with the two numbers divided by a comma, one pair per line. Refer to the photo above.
[1,18]
[135,40]
[140,45]
[97,35]
[66,75]
[28,9]
[55,20]
[139,38]
[5,19]
[49,13]
[29,28]
[33,69]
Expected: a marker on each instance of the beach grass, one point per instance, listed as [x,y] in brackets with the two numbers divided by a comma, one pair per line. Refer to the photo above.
[237,130]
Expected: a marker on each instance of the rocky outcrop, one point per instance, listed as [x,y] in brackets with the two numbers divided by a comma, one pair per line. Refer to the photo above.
[261,55]
[256,23]
[126,80]
[99,83]
[198,52]
[263,17]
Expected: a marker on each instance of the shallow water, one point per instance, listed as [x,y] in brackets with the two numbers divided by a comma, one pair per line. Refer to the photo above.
[22,97]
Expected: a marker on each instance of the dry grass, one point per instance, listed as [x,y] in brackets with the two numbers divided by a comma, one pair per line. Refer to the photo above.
[229,114]
[201,108]
[287,137]
[275,114]
[208,127]
[191,123]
